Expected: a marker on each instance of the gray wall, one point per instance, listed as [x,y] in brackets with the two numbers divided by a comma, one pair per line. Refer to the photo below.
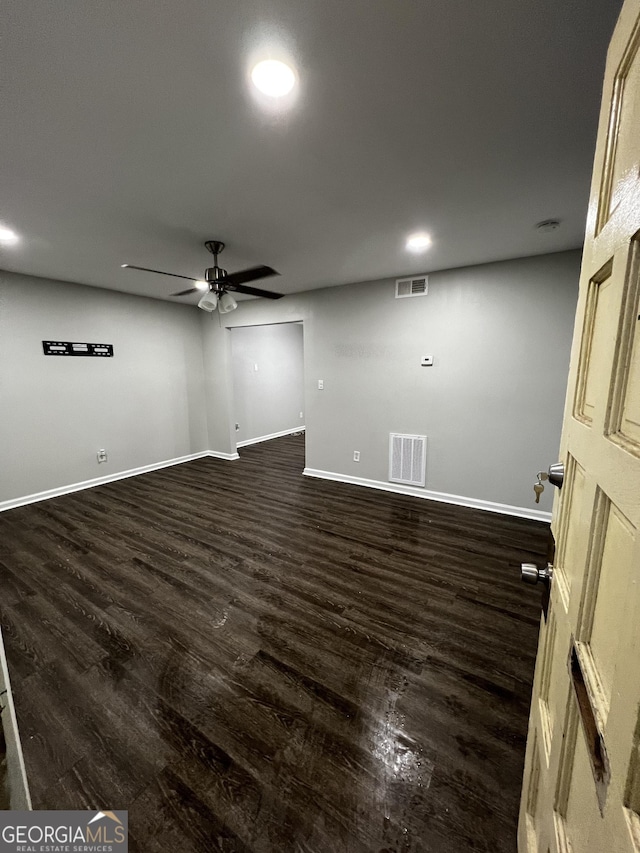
[145,405]
[270,399]
[492,403]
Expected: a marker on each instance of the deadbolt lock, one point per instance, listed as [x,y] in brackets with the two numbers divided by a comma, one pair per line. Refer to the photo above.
[556,474]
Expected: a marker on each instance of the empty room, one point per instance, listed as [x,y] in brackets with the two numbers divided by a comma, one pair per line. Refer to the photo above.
[320,426]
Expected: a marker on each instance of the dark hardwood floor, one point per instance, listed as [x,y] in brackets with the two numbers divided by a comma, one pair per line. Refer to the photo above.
[251,660]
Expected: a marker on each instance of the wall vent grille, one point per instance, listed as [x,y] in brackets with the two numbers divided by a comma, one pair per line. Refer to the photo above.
[416,286]
[407,459]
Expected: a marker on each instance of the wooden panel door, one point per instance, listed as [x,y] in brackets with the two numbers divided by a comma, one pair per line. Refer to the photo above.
[581,789]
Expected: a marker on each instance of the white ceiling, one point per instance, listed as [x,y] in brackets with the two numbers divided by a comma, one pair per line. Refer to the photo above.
[129,134]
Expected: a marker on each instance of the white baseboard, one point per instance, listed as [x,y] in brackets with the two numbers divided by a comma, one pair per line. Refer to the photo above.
[398,488]
[110,478]
[269,437]
[19,797]
[442,497]
[215,454]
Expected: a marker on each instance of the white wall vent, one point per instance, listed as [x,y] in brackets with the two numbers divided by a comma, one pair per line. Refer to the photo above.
[407,459]
[416,286]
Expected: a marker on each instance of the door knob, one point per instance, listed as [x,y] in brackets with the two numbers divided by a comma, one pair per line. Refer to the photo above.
[556,474]
[530,573]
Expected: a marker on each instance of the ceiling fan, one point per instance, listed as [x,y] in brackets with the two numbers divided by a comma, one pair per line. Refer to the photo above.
[220,284]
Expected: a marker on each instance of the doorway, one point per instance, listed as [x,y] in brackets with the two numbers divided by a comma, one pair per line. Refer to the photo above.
[267,365]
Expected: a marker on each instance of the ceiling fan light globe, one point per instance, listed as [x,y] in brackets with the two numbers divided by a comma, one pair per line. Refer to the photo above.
[208,302]
[227,303]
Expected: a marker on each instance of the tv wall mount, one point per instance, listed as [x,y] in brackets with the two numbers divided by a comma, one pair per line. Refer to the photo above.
[73,348]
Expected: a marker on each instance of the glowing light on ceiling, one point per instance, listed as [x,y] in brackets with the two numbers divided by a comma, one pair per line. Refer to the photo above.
[8,237]
[418,242]
[273,78]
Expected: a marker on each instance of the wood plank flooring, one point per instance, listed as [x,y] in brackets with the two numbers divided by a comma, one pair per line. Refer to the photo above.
[250,660]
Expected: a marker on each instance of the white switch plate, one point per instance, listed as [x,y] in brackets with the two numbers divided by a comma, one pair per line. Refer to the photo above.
[320,384]
[356,455]
[427,361]
[255,367]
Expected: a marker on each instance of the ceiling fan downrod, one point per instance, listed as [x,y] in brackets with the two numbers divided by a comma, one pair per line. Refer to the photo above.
[215,273]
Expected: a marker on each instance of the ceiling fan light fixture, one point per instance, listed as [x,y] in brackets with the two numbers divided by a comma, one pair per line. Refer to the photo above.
[226,303]
[209,301]
[273,78]
[201,285]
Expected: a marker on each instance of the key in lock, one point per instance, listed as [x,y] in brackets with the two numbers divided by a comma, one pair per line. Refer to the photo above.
[538,487]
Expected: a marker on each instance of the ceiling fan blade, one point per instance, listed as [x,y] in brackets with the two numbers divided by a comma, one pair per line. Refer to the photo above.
[187,292]
[251,274]
[252,291]
[161,272]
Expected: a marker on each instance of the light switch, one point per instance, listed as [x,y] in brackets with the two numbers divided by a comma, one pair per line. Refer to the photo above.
[427,361]
[320,384]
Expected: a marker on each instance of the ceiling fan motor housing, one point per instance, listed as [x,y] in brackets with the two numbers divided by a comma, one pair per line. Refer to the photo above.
[215,274]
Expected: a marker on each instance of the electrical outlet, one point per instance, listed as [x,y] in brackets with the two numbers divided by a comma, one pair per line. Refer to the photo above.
[356,455]
[102,456]
[320,384]
[301,415]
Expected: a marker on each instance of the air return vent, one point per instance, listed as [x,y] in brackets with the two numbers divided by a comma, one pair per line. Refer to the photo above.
[417,286]
[407,459]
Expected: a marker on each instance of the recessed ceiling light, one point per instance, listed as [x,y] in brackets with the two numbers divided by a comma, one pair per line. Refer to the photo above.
[418,242]
[8,237]
[202,285]
[273,78]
